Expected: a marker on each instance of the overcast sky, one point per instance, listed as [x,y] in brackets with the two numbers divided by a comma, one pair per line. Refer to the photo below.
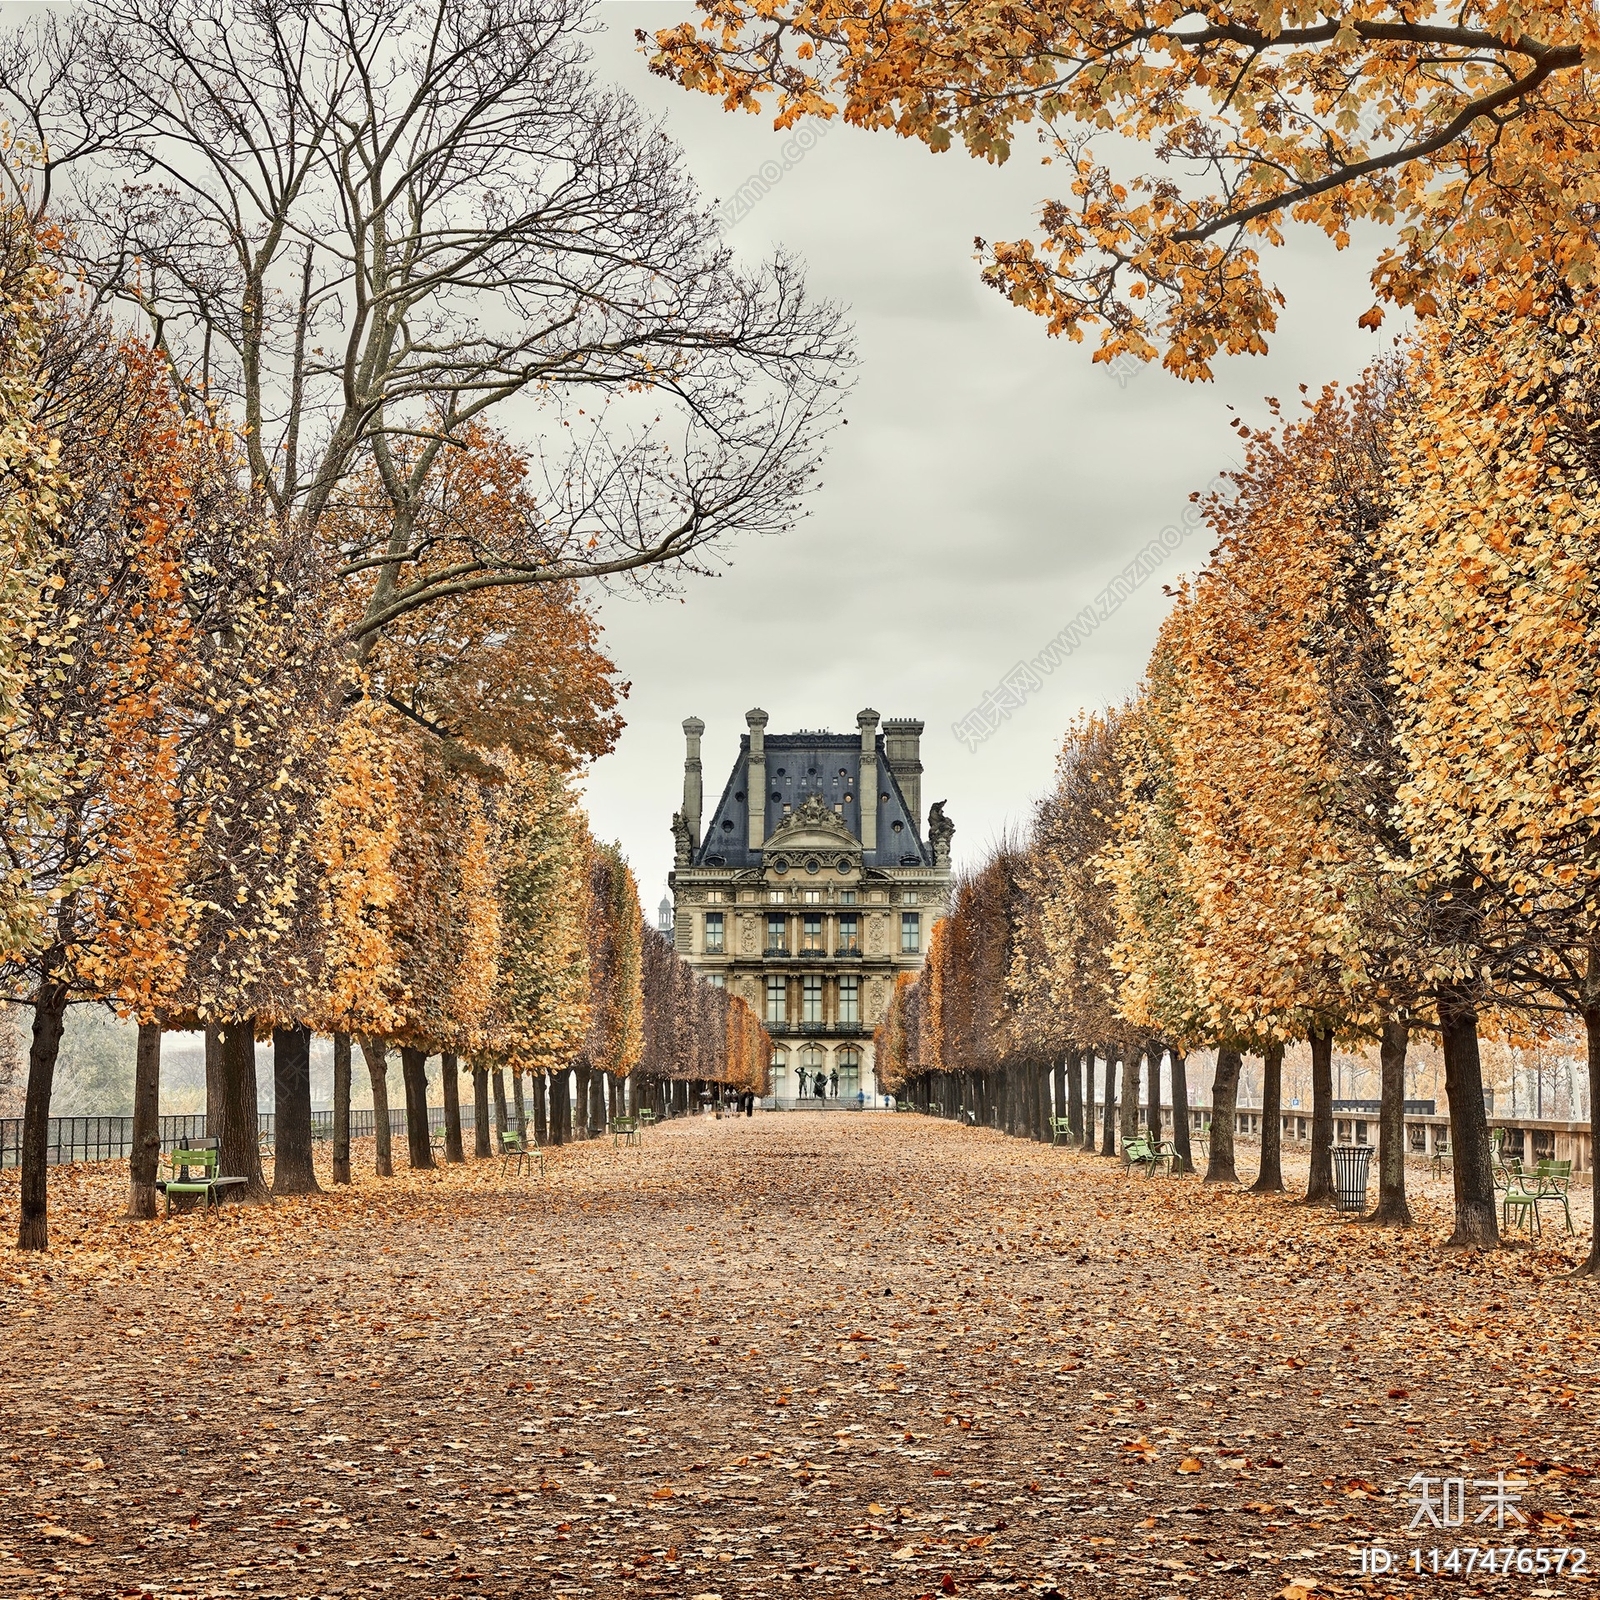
[989,483]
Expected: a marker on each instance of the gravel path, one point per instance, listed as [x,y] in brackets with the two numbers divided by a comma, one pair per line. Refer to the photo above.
[793,1354]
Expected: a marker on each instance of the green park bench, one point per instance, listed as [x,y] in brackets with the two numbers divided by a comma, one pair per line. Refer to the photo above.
[518,1154]
[1060,1130]
[624,1130]
[195,1175]
[1547,1185]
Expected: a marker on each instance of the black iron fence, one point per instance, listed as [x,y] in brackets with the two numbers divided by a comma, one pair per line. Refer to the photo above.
[107,1138]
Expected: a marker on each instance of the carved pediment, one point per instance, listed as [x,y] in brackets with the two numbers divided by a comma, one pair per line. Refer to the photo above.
[812,826]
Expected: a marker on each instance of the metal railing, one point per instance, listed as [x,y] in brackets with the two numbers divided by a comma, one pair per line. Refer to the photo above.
[71,1139]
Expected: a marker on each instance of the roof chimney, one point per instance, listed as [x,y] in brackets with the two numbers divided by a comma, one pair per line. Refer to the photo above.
[693,727]
[902,749]
[867,722]
[756,784]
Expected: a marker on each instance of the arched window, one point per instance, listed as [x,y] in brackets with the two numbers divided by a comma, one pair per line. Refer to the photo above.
[849,1073]
[781,1086]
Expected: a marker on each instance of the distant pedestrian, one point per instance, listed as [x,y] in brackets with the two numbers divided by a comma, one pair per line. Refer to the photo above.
[749,1102]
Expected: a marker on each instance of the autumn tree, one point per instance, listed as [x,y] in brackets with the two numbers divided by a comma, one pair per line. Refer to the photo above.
[1073,831]
[693,1032]
[1145,871]
[545,889]
[616,999]
[102,471]
[1493,621]
[35,484]
[1469,136]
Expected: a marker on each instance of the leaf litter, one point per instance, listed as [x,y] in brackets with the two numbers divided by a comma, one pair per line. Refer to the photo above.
[773,1356]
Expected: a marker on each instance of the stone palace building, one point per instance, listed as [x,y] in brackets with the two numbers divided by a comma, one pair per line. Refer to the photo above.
[811,887]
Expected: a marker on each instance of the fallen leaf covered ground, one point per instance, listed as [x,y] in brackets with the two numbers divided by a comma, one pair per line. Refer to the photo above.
[800,1353]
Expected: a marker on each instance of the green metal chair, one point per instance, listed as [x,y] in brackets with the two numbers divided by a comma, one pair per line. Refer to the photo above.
[1547,1186]
[196,1172]
[515,1150]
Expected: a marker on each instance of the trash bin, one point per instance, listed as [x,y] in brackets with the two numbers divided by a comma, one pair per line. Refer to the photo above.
[1350,1165]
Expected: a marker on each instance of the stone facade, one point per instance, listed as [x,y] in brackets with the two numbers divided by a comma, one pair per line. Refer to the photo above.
[811,887]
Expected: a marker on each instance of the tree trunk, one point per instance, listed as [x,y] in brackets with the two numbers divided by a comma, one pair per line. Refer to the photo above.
[1108,1136]
[214,1034]
[240,1130]
[1224,1116]
[521,1104]
[1129,1118]
[1180,1114]
[292,1171]
[144,1160]
[501,1122]
[1153,1080]
[341,1108]
[49,1017]
[1270,1178]
[1591,1032]
[414,1074]
[1471,1159]
[481,1145]
[1392,1205]
[376,1053]
[1088,1099]
[582,1105]
[1073,1111]
[541,1126]
[450,1081]
[1320,1188]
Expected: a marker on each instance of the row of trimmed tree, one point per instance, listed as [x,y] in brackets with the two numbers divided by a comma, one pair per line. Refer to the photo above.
[1358,794]
[221,809]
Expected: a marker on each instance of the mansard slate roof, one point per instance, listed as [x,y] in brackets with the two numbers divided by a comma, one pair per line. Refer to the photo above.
[801,764]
